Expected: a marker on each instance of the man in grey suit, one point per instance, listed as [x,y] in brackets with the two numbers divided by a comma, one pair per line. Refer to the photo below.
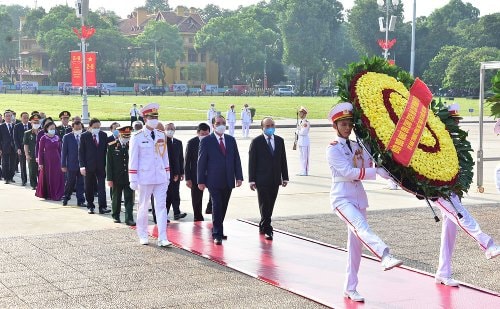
[267,170]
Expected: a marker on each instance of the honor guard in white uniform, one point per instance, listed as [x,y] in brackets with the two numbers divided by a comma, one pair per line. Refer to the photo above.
[149,173]
[231,119]
[449,228]
[349,164]
[211,113]
[246,120]
[303,141]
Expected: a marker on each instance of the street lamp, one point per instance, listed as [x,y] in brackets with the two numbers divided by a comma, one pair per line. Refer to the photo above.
[390,24]
[82,9]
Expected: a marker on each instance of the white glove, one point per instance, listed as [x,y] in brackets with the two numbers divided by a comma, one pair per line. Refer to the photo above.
[134,185]
[383,173]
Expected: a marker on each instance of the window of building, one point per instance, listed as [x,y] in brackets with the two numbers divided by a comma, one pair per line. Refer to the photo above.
[192,55]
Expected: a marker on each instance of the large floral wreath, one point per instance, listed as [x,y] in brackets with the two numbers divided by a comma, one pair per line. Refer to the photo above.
[441,164]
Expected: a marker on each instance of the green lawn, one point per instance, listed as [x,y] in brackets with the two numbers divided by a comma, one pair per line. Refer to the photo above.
[192,108]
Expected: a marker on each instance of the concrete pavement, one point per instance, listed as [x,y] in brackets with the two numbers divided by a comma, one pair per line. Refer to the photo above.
[55,256]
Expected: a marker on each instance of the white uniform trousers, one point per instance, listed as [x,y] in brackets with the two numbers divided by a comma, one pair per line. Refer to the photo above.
[159,192]
[304,159]
[245,128]
[358,234]
[449,232]
[231,128]
[497,177]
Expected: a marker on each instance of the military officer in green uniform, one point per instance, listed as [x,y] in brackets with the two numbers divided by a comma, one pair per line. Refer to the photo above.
[64,128]
[117,174]
[29,142]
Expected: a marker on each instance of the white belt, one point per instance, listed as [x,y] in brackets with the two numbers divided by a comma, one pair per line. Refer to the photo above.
[337,179]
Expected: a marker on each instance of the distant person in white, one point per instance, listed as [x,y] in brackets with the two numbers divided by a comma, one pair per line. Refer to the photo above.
[231,119]
[246,120]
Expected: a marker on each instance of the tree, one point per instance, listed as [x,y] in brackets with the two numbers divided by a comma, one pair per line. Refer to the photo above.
[436,72]
[462,72]
[307,27]
[436,31]
[154,6]
[169,48]
[211,11]
[8,45]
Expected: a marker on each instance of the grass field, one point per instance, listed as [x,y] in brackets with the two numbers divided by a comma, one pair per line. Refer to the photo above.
[192,108]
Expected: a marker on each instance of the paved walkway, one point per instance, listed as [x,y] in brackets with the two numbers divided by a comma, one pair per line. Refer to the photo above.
[54,256]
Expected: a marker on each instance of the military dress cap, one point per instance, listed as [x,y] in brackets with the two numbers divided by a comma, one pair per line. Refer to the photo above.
[303,109]
[64,114]
[125,131]
[454,110]
[35,117]
[151,109]
[34,112]
[340,111]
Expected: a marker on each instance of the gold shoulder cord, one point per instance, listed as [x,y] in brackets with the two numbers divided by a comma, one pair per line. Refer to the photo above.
[163,147]
[358,155]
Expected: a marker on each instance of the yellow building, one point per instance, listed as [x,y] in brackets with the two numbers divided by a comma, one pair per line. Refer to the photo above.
[202,69]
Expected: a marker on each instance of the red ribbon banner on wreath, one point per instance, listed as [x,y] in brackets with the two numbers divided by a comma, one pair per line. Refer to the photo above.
[411,124]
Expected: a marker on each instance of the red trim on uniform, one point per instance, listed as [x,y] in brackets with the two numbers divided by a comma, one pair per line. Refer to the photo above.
[167,169]
[132,171]
[356,232]
[362,173]
[454,113]
[457,222]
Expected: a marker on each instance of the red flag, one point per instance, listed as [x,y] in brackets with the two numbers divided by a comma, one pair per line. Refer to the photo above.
[91,67]
[76,68]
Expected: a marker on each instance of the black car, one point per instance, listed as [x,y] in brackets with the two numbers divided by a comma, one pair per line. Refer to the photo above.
[153,90]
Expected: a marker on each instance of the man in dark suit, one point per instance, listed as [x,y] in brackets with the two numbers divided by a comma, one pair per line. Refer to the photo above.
[267,170]
[190,170]
[219,170]
[176,161]
[7,148]
[71,166]
[92,158]
[19,130]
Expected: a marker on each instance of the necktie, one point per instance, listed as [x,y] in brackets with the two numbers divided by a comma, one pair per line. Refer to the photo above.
[221,145]
[25,127]
[348,143]
[95,141]
[270,145]
[153,135]
[78,139]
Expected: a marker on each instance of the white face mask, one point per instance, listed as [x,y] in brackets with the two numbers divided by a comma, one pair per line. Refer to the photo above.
[77,132]
[124,140]
[220,129]
[170,133]
[96,131]
[152,123]
[36,126]
[51,132]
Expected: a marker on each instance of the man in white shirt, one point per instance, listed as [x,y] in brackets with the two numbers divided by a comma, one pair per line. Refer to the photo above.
[134,113]
[303,141]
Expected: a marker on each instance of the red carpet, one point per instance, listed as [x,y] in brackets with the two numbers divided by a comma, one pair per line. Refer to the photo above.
[316,271]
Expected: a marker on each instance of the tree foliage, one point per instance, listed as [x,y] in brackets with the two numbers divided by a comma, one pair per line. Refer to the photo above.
[155,6]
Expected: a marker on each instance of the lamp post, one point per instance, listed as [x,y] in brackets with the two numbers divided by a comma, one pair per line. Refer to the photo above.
[265,65]
[413,29]
[20,59]
[156,68]
[390,24]
[82,9]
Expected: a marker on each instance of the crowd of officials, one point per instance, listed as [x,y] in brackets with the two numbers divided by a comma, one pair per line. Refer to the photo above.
[145,159]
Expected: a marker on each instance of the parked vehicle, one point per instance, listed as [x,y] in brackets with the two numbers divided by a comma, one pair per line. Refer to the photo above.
[153,90]
[284,90]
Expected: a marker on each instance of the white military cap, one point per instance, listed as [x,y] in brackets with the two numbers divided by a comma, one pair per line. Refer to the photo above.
[151,109]
[340,111]
[454,110]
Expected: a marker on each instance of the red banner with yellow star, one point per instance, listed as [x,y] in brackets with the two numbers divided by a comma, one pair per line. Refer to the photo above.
[76,64]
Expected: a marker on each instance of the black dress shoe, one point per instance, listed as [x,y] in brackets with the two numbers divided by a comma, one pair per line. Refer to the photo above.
[65,202]
[91,211]
[130,223]
[7,182]
[33,188]
[117,221]
[224,237]
[208,211]
[180,216]
[218,241]
[13,181]
[269,236]
[104,211]
[23,184]
[82,204]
